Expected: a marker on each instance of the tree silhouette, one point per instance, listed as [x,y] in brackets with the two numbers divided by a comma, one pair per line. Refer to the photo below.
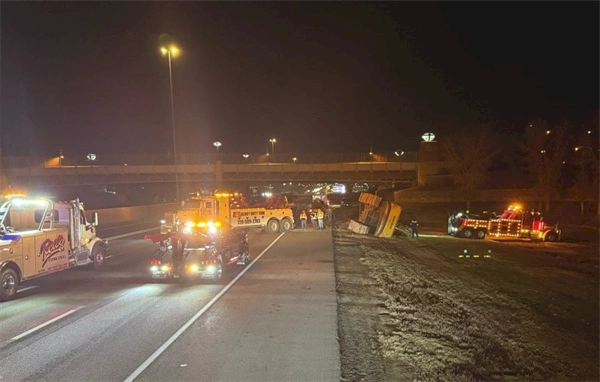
[545,149]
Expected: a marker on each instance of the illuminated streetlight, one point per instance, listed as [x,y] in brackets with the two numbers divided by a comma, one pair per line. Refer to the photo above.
[172,51]
[294,159]
[61,156]
[217,144]
[547,132]
[245,156]
[428,137]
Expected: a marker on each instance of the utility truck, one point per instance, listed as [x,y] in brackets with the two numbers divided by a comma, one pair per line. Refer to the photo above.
[39,236]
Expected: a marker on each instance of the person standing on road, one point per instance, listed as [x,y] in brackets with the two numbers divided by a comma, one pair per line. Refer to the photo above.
[414,228]
[313,219]
[320,217]
[303,219]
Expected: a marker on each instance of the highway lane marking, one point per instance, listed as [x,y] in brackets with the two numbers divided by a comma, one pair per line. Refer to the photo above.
[185,326]
[43,325]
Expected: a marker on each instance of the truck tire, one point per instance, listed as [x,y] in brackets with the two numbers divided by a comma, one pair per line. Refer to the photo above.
[480,234]
[286,224]
[9,283]
[98,257]
[272,226]
[468,233]
[551,236]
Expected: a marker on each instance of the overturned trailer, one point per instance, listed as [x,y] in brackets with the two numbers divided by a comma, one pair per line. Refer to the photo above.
[377,217]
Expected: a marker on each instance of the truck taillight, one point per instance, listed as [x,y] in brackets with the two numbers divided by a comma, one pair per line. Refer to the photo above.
[211,261]
[154,262]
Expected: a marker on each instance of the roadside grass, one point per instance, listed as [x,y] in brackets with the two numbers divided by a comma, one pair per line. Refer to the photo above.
[448,329]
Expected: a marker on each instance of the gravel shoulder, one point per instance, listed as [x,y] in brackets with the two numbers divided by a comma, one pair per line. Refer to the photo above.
[415,310]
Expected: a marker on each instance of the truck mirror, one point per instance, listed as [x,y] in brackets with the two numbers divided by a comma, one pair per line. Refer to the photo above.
[95,218]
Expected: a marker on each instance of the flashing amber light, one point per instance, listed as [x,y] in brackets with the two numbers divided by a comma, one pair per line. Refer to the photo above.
[189,224]
[11,196]
[201,224]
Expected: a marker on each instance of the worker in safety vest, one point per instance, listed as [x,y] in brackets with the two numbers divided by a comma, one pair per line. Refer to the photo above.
[303,219]
[320,217]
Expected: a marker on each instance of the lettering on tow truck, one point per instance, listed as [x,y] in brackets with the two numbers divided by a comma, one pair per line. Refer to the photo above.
[50,247]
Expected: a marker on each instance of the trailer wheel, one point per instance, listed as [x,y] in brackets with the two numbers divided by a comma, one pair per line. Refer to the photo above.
[9,283]
[286,224]
[480,234]
[468,233]
[551,236]
[272,226]
[98,256]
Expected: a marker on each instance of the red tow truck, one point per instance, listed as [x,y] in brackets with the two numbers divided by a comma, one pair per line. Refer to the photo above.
[514,222]
[203,254]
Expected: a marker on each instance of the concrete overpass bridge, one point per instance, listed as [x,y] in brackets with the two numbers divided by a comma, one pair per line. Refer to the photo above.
[217,170]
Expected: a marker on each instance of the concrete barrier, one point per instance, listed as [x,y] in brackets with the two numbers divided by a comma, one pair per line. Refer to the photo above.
[108,216]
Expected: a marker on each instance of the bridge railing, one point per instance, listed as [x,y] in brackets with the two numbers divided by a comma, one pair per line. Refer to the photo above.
[197,159]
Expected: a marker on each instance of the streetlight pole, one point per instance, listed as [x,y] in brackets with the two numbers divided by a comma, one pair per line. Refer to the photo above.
[169,52]
[399,153]
[217,144]
[273,140]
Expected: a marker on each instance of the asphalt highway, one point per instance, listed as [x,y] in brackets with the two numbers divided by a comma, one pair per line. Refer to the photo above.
[274,319]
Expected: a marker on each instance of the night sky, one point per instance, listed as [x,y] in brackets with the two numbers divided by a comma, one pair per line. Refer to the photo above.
[318,76]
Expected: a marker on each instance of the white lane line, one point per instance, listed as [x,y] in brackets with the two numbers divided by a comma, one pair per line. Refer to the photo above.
[179,332]
[43,325]
[131,233]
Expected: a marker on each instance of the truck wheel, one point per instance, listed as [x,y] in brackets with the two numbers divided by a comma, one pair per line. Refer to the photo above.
[98,256]
[286,225]
[272,226]
[480,234]
[9,283]
[551,237]
[468,233]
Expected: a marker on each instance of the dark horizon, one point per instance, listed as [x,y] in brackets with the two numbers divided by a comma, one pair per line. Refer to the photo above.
[318,77]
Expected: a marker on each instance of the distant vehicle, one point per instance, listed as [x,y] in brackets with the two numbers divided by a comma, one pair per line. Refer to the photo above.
[350,200]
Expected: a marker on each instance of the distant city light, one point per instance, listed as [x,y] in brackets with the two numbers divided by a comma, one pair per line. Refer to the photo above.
[91,156]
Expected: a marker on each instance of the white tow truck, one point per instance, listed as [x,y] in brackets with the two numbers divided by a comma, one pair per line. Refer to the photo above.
[39,236]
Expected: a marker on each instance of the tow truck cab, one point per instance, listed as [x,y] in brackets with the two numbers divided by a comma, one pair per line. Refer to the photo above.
[39,237]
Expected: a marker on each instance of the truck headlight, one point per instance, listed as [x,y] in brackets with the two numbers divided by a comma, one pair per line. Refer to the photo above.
[154,268]
[194,267]
[212,230]
[187,230]
[164,268]
[163,221]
